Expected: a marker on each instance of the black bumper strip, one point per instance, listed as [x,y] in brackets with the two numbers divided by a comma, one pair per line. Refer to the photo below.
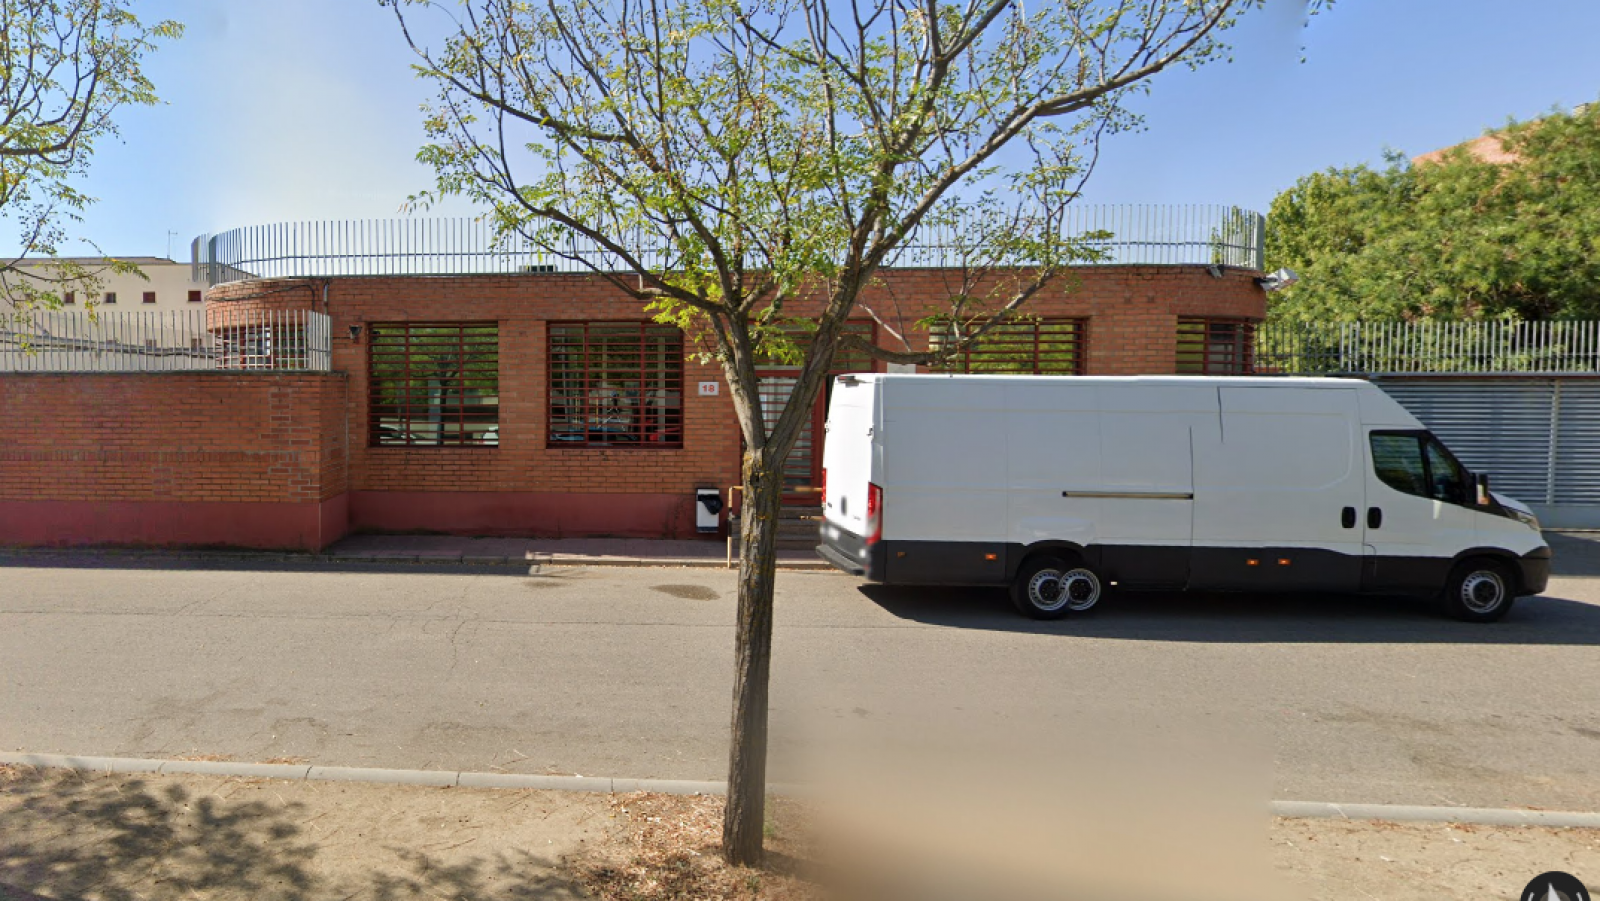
[840,560]
[1535,566]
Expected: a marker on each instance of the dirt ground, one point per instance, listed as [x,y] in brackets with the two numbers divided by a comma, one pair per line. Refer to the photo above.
[1333,860]
[67,835]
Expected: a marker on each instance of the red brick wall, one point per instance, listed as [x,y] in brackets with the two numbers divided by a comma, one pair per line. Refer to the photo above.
[1132,311]
[524,487]
[281,459]
[255,460]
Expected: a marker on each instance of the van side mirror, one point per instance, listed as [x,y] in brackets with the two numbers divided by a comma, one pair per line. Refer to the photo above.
[1481,480]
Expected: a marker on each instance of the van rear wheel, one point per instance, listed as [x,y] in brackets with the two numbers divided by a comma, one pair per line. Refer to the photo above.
[1479,591]
[1050,587]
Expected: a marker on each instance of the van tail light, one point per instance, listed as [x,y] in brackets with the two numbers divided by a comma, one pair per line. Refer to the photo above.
[874,513]
[823,486]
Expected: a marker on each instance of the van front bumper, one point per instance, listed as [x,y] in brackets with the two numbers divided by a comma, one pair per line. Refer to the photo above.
[851,553]
[1535,570]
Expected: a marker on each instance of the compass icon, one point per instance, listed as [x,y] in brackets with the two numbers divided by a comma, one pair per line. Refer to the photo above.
[1555,886]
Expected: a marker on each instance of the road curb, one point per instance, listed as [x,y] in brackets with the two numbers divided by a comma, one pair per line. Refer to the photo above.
[1405,813]
[1398,813]
[308,773]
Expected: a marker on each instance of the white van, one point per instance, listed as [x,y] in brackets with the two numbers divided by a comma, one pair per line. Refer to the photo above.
[1064,487]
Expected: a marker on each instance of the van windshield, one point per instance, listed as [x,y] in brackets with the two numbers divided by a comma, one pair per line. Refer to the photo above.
[1418,464]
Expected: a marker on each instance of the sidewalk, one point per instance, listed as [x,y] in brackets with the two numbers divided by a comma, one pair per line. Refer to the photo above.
[436,550]
[552,551]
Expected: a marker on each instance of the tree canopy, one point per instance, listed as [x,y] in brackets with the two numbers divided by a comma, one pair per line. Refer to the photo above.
[1456,238]
[68,65]
[745,169]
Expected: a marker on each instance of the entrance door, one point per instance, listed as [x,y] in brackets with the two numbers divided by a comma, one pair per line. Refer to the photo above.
[802,470]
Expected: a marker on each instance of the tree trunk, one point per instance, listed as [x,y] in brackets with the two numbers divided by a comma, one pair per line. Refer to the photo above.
[745,817]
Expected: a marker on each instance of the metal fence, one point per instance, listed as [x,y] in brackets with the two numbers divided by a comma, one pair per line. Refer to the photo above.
[179,340]
[1133,234]
[1403,348]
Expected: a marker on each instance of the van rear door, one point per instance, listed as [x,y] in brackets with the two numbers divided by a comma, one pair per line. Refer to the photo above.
[847,455]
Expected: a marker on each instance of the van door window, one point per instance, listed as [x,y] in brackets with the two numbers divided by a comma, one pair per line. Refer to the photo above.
[1446,476]
[1397,460]
[1416,463]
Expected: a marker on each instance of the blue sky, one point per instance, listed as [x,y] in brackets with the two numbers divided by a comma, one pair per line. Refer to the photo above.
[280,110]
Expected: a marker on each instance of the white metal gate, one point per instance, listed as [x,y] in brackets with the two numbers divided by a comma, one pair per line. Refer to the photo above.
[1538,437]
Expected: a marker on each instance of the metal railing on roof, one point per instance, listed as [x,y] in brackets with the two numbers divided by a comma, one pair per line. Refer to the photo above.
[1138,234]
[1401,348]
[168,341]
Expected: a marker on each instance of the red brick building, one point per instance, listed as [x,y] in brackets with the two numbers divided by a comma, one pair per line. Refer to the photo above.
[544,404]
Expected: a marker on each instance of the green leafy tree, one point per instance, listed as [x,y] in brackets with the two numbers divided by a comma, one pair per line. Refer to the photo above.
[1458,238]
[746,168]
[69,65]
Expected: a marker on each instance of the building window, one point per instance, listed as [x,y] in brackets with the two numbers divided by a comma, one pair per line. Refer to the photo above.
[70,297]
[1216,346]
[194,296]
[149,297]
[1022,347]
[433,384]
[615,384]
[111,297]
[845,359]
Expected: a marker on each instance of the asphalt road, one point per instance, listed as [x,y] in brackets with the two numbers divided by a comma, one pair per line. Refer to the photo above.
[627,672]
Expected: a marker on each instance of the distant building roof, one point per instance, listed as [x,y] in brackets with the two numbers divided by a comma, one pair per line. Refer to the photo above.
[1488,149]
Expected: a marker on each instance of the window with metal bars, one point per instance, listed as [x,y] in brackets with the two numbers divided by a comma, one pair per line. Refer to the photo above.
[1216,346]
[615,384]
[845,359]
[433,384]
[1033,346]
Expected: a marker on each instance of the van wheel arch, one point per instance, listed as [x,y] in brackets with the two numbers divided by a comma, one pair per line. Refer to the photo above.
[1499,555]
[1026,553]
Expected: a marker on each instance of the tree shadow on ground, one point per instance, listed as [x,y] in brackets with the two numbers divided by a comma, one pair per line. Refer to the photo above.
[1251,618]
[66,836]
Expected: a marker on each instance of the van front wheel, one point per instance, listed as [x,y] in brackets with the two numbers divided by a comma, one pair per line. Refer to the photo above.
[1052,587]
[1479,591]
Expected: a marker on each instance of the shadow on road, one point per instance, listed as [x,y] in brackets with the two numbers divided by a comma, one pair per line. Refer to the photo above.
[68,836]
[1250,618]
[1576,553]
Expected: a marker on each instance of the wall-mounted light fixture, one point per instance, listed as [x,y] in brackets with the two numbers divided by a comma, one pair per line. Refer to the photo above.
[355,334]
[1277,281]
